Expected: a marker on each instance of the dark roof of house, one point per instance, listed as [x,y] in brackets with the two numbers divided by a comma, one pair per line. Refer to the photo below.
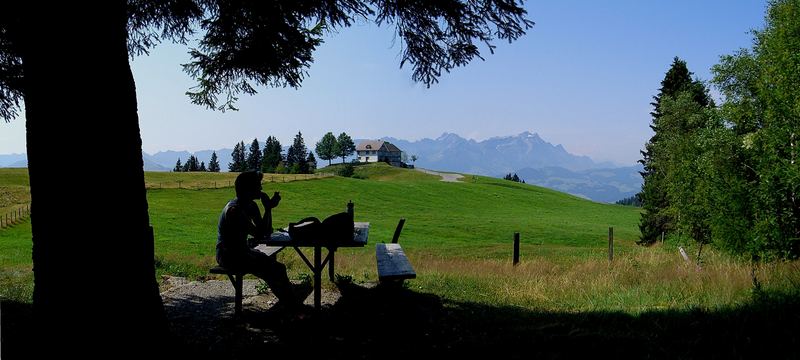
[391,147]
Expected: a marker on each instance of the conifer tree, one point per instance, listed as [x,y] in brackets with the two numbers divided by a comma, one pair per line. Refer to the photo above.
[656,217]
[272,155]
[213,165]
[296,155]
[238,158]
[254,156]
[178,166]
[311,163]
[202,166]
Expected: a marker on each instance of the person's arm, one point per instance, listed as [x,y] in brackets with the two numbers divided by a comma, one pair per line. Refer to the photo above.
[264,223]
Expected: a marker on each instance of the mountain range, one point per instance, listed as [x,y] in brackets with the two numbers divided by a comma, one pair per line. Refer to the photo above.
[528,155]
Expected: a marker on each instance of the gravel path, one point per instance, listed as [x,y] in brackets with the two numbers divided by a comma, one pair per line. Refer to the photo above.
[447,177]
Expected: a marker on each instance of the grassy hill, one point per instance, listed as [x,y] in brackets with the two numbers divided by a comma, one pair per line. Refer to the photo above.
[457,235]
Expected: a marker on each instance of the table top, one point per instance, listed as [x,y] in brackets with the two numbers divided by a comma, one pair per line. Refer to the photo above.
[360,236]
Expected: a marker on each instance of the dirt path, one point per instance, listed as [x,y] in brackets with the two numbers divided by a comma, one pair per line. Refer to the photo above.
[448,177]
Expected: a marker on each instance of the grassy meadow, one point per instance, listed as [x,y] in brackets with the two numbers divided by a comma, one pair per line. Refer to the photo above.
[458,237]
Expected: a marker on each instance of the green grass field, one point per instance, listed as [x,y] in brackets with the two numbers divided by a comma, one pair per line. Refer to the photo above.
[458,236]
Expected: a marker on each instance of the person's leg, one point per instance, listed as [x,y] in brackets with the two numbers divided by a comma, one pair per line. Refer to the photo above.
[274,273]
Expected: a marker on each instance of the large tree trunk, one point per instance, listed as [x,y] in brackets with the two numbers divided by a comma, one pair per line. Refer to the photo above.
[94,277]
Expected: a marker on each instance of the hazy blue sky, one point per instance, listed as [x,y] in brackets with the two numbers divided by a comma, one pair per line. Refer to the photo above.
[583,77]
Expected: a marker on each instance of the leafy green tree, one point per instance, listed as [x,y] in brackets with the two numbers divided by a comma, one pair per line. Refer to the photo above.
[254,156]
[296,155]
[760,88]
[656,217]
[213,164]
[686,163]
[238,158]
[272,155]
[414,159]
[346,146]
[242,45]
[328,148]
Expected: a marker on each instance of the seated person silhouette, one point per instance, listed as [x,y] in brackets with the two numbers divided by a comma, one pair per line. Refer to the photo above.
[241,217]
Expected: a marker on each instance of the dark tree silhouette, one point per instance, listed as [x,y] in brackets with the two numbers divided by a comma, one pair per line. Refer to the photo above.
[311,163]
[99,276]
[178,166]
[238,158]
[213,164]
[272,155]
[296,155]
[254,156]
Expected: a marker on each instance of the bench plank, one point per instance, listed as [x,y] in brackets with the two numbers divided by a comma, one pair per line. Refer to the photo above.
[393,263]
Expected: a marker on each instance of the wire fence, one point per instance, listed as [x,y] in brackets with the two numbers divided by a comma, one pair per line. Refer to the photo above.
[17,215]
[197,184]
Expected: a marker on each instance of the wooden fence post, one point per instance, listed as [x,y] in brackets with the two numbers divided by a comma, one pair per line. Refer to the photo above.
[516,248]
[610,243]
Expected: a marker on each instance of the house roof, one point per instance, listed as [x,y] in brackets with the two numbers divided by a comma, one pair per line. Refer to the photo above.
[391,147]
[369,145]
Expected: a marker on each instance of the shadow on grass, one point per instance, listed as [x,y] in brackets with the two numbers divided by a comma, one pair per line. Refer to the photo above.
[398,323]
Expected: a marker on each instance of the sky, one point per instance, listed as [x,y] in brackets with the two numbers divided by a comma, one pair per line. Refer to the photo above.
[583,77]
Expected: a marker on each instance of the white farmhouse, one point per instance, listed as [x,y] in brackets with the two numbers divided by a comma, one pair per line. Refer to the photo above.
[380,151]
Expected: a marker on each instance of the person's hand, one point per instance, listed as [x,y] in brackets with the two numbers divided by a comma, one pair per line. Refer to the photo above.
[264,198]
[276,198]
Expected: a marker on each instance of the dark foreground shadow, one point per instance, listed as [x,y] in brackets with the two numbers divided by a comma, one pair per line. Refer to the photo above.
[397,323]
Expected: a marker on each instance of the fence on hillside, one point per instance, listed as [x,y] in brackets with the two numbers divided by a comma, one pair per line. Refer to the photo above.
[216,184]
[15,216]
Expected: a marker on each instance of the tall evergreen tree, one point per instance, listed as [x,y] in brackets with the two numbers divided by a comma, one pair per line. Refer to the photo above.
[213,165]
[311,163]
[191,164]
[254,156]
[328,148]
[178,166]
[656,217]
[346,146]
[202,166]
[296,155]
[273,155]
[238,158]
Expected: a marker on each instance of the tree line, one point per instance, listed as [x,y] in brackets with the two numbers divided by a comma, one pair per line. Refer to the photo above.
[514,178]
[192,164]
[297,160]
[728,174]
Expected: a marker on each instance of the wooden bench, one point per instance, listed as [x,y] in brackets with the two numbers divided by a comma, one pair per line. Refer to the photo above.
[237,277]
[393,265]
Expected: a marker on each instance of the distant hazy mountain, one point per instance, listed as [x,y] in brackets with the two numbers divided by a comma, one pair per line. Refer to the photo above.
[533,159]
[498,155]
[604,185]
[167,159]
[14,160]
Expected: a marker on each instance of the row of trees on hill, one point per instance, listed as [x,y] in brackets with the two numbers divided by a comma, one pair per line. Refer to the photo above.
[330,147]
[728,174]
[297,160]
[192,164]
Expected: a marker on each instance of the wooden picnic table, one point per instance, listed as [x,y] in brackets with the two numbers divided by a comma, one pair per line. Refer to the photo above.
[282,239]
